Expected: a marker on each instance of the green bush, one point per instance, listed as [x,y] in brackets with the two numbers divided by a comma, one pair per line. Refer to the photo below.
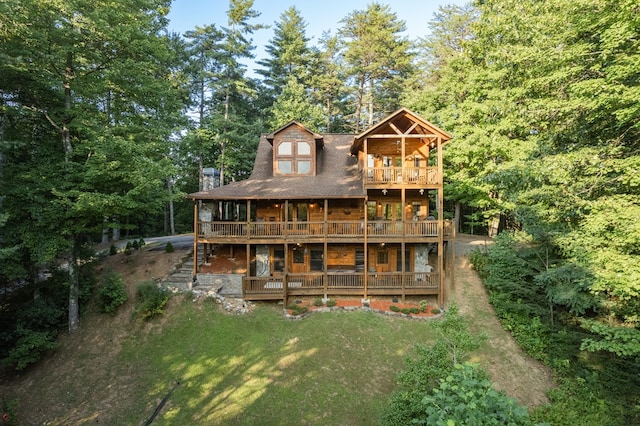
[169,247]
[135,245]
[394,308]
[414,310]
[297,309]
[435,311]
[466,397]
[318,302]
[141,242]
[112,293]
[423,305]
[113,250]
[30,347]
[331,302]
[405,311]
[150,300]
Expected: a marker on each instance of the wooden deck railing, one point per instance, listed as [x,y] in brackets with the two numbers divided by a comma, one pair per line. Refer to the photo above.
[331,229]
[340,283]
[411,175]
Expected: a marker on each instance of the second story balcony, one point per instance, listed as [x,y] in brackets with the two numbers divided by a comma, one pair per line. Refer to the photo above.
[355,231]
[402,176]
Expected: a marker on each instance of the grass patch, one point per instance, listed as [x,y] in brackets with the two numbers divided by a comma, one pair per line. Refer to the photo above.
[263,369]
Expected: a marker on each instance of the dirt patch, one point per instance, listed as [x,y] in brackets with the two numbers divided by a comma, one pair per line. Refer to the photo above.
[520,376]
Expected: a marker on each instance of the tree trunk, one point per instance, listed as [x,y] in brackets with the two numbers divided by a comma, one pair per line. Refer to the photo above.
[74,291]
[360,102]
[224,137]
[66,134]
[171,219]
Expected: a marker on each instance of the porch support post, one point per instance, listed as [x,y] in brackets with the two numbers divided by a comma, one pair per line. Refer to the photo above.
[402,269]
[440,226]
[248,231]
[195,237]
[365,232]
[325,276]
[285,275]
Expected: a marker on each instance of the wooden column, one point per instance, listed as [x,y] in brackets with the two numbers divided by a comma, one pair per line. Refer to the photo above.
[195,237]
[440,224]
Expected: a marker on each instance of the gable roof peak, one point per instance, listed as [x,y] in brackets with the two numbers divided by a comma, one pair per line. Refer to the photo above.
[270,136]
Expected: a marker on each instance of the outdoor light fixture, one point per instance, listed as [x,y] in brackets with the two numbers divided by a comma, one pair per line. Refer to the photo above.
[421,191]
[384,192]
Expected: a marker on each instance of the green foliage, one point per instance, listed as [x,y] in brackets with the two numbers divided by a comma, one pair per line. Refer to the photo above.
[466,397]
[150,300]
[405,311]
[113,250]
[539,311]
[318,301]
[112,293]
[623,341]
[297,309]
[455,336]
[430,365]
[414,310]
[29,347]
[134,245]
[169,247]
[423,305]
[331,302]
[394,308]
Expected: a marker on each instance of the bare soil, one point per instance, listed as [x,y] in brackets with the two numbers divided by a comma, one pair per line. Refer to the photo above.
[45,391]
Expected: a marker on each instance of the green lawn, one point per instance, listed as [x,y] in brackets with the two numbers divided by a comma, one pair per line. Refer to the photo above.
[329,368]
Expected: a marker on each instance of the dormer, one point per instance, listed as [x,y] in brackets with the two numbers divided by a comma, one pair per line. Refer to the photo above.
[295,150]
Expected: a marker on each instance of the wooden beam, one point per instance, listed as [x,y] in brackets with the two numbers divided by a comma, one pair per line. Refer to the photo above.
[393,126]
[195,237]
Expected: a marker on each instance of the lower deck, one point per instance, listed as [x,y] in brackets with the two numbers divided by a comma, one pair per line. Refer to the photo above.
[281,271]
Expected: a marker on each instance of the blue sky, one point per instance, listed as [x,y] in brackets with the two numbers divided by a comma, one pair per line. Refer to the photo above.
[320,15]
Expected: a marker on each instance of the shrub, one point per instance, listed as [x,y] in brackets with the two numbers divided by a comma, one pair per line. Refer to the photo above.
[30,347]
[318,302]
[466,397]
[405,311]
[423,305]
[169,247]
[112,293]
[394,308]
[151,300]
[414,310]
[113,250]
[141,242]
[297,309]
[435,311]
[135,245]
[331,302]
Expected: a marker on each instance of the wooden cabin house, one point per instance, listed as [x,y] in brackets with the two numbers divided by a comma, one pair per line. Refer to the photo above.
[336,214]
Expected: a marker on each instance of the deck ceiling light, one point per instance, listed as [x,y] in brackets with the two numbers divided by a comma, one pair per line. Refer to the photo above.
[421,191]
[384,192]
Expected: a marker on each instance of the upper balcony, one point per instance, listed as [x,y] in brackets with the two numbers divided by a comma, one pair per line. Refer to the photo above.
[419,176]
[354,231]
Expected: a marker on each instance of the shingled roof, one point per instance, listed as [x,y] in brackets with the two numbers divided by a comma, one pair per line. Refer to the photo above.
[337,176]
